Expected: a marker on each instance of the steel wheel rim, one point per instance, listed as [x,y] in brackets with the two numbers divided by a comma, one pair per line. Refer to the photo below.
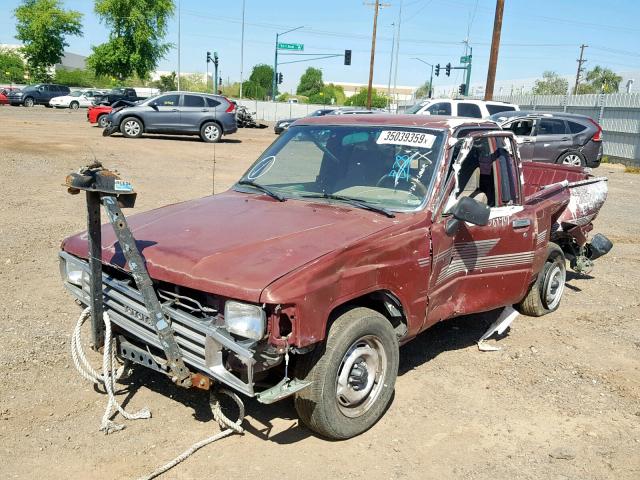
[361,376]
[131,127]
[573,160]
[211,132]
[28,102]
[554,286]
[102,122]
[74,106]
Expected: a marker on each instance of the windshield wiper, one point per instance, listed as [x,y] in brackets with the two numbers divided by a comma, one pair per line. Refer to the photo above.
[263,189]
[356,202]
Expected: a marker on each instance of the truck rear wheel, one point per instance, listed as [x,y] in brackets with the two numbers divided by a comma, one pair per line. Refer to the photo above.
[353,375]
[545,293]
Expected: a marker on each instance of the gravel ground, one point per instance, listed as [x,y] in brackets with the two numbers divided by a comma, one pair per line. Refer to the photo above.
[559,401]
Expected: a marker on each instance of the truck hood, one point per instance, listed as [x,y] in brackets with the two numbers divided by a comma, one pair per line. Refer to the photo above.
[235,244]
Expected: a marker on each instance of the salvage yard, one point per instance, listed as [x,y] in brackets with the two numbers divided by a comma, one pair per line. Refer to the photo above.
[561,400]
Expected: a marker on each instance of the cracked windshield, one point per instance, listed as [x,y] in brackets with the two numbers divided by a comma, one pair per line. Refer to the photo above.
[387,167]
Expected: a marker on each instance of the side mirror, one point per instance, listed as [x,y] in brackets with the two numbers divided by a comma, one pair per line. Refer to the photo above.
[154,105]
[467,210]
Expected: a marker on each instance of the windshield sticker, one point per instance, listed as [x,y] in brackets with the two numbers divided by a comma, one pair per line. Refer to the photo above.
[262,167]
[409,139]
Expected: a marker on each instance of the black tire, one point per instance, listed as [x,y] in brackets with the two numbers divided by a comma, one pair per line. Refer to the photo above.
[74,105]
[353,340]
[102,120]
[210,132]
[131,127]
[545,293]
[28,102]
[574,159]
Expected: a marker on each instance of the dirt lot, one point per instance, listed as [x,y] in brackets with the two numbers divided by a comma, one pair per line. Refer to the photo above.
[560,401]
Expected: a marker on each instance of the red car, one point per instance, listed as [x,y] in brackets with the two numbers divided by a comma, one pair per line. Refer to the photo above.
[98,114]
[4,91]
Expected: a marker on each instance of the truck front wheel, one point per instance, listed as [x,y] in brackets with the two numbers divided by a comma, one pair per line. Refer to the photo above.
[545,293]
[353,375]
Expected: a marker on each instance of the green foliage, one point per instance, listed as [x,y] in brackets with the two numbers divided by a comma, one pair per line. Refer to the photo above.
[166,83]
[261,76]
[232,90]
[329,95]
[586,88]
[603,79]
[310,82]
[42,26]
[194,82]
[360,99]
[11,67]
[423,90]
[253,90]
[550,84]
[135,43]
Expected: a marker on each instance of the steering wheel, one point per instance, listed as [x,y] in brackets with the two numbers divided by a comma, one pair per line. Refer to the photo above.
[416,186]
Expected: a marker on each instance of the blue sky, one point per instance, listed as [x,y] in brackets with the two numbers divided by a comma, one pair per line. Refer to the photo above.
[536,36]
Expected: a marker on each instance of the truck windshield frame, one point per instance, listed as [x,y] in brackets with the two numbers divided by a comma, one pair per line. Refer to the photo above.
[388,166]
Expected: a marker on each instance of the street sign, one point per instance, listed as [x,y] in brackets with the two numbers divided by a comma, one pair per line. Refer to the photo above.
[465,59]
[291,46]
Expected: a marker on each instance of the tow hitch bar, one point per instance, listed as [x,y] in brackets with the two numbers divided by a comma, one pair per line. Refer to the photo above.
[105,187]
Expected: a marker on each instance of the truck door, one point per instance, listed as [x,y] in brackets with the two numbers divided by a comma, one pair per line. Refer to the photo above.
[552,139]
[480,268]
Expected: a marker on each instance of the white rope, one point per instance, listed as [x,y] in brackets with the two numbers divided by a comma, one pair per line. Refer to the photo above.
[107,377]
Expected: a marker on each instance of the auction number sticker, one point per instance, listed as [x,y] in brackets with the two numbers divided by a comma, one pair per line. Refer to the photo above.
[409,139]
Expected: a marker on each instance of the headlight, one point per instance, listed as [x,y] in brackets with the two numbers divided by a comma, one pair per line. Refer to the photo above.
[245,320]
[284,125]
[71,273]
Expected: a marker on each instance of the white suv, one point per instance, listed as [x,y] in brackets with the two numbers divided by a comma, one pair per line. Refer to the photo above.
[461,108]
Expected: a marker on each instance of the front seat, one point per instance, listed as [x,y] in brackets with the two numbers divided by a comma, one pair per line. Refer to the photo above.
[472,188]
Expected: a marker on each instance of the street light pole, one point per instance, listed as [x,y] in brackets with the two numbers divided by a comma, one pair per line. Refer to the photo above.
[274,85]
[430,79]
[242,51]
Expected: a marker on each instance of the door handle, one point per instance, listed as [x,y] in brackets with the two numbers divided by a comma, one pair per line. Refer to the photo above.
[526,140]
[565,139]
[174,109]
[521,223]
[204,110]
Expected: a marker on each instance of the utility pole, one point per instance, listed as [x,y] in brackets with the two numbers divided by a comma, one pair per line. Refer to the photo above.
[179,2]
[395,72]
[242,51]
[580,62]
[373,51]
[495,47]
[393,46]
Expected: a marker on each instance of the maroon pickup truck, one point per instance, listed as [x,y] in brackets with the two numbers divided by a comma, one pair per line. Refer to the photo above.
[348,237]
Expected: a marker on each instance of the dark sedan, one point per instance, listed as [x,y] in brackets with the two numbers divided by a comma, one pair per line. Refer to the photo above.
[282,125]
[555,137]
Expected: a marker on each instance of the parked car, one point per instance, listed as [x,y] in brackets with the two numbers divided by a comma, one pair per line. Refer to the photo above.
[184,113]
[112,96]
[39,94]
[4,92]
[345,239]
[98,114]
[555,137]
[76,99]
[461,108]
[282,125]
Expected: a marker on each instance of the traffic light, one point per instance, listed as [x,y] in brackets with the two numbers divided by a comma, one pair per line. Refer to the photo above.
[447,69]
[280,78]
[209,59]
[347,57]
[462,88]
[215,58]
[438,70]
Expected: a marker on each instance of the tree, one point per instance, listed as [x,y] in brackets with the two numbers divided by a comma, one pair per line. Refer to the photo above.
[135,44]
[43,26]
[329,95]
[423,90]
[253,90]
[603,79]
[310,82]
[262,77]
[166,83]
[11,66]
[551,84]
[360,99]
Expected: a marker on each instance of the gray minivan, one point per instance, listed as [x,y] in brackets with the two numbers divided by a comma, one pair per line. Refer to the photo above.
[182,113]
[555,137]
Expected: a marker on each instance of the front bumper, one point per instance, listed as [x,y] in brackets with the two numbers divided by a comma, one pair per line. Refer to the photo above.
[205,346]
